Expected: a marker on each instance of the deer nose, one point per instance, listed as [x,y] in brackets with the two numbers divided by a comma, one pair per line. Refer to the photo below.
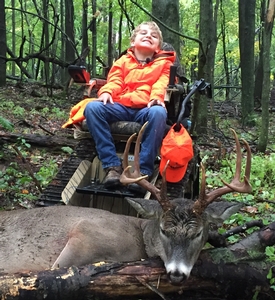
[176,277]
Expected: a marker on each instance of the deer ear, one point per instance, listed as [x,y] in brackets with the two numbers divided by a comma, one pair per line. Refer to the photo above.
[218,212]
[149,209]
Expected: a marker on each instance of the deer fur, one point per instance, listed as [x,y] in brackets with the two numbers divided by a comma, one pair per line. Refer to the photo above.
[62,236]
[176,230]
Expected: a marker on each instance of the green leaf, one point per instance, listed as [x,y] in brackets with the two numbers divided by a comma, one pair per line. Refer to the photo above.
[269,251]
[67,150]
[6,124]
[270,273]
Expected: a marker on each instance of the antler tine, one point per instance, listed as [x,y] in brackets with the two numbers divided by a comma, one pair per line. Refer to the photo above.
[125,161]
[201,202]
[164,202]
[137,148]
[248,160]
[235,185]
[127,177]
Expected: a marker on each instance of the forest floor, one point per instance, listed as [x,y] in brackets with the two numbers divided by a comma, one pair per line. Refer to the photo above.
[31,112]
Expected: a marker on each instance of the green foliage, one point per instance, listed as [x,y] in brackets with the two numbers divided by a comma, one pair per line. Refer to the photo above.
[17,184]
[22,143]
[126,15]
[256,205]
[15,109]
[11,107]
[46,172]
[262,176]
[270,254]
[58,113]
[6,124]
[68,150]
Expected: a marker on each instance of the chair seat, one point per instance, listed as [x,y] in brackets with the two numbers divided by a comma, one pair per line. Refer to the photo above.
[121,127]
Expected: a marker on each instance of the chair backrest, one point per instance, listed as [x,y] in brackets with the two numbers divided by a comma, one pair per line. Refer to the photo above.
[180,73]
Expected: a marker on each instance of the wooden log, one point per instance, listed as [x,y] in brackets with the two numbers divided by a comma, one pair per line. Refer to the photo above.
[229,281]
[236,272]
[39,140]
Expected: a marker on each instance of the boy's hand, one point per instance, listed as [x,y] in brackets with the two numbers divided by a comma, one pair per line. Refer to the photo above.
[105,98]
[155,102]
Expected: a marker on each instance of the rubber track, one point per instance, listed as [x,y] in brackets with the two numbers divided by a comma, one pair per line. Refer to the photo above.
[52,193]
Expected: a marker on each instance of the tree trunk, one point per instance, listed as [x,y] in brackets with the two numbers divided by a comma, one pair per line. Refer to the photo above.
[3,44]
[225,60]
[55,142]
[45,42]
[208,36]
[236,272]
[85,40]
[111,38]
[259,64]
[13,17]
[94,37]
[267,33]
[168,13]
[246,43]
[69,29]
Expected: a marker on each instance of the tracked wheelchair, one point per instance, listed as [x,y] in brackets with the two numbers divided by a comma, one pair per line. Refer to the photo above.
[86,188]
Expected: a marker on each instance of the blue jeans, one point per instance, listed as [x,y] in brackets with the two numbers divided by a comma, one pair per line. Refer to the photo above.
[99,116]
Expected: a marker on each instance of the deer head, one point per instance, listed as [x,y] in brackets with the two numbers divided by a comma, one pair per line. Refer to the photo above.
[180,227]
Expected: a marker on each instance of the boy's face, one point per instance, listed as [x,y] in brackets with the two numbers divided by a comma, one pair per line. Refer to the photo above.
[146,39]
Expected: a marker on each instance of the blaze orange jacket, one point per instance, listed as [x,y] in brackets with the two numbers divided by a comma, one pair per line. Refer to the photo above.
[131,83]
[77,112]
[134,84]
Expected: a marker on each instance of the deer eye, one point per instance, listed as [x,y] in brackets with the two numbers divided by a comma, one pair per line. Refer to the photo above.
[162,231]
[198,234]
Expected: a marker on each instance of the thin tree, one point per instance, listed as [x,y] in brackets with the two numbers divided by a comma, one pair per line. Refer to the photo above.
[94,38]
[208,36]
[85,42]
[266,43]
[246,44]
[3,44]
[168,13]
[259,60]
[224,47]
[46,41]
[13,34]
[69,29]
[110,35]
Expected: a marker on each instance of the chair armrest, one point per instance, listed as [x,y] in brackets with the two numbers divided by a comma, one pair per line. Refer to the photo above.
[177,88]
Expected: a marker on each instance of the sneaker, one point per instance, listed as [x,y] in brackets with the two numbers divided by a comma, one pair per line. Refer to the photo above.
[112,177]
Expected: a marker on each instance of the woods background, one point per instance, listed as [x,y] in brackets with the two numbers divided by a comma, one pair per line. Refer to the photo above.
[229,43]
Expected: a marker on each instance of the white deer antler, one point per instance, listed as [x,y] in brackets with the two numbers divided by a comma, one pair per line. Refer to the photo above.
[236,185]
[135,177]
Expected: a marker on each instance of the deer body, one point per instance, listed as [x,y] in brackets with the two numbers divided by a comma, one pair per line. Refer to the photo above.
[175,230]
[62,236]
[32,240]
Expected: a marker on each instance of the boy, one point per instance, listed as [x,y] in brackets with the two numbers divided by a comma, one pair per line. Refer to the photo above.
[135,92]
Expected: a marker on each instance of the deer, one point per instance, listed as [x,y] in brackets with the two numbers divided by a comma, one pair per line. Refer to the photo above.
[174,230]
